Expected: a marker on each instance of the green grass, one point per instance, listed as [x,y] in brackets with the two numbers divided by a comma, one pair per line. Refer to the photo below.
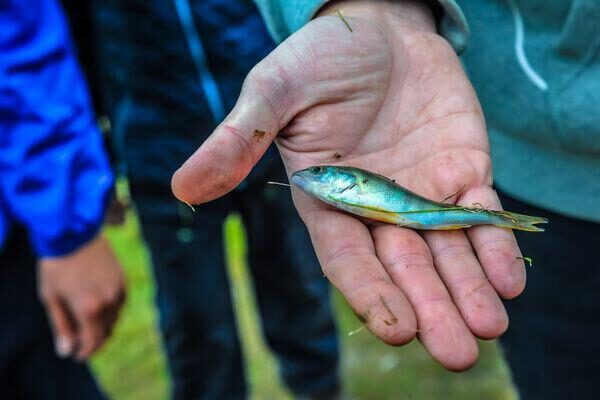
[132,366]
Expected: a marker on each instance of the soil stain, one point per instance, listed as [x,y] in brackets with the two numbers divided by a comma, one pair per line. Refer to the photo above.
[258,135]
[363,318]
[393,320]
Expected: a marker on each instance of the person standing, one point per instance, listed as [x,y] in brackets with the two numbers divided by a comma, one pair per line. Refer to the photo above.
[171,71]
[54,184]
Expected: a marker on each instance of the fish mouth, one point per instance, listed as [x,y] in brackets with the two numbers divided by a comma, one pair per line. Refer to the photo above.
[300,181]
[305,183]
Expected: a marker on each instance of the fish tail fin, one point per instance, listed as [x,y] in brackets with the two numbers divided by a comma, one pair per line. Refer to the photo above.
[506,219]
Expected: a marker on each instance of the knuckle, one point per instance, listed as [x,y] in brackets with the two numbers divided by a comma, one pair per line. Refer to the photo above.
[121,296]
[409,261]
[267,77]
[92,305]
[468,286]
[432,304]
[456,251]
[115,296]
[499,251]
[345,252]
[270,83]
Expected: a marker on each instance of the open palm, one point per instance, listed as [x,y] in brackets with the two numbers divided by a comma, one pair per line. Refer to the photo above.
[389,96]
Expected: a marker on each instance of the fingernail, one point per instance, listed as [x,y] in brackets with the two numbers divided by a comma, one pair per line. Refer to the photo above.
[64,347]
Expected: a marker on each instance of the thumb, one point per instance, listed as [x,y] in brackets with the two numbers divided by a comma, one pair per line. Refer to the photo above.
[227,156]
[65,342]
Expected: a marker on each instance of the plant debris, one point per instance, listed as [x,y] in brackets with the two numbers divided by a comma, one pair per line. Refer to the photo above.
[190,206]
[526,259]
[258,134]
[339,13]
[279,184]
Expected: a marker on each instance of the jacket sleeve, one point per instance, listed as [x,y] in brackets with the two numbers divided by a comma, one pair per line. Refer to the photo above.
[54,174]
[284,17]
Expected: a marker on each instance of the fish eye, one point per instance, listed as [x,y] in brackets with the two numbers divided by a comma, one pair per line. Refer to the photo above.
[316,170]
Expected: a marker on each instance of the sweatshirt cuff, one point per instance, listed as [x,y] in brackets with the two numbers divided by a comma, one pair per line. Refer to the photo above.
[453,26]
[284,17]
[66,244]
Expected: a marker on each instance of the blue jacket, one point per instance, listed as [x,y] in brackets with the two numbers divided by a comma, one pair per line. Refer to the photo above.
[54,175]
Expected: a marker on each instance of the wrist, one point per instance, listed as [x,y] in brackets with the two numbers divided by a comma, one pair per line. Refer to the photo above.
[403,15]
[83,250]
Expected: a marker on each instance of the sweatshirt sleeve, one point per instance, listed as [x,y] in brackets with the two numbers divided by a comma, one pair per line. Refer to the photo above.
[284,17]
[54,175]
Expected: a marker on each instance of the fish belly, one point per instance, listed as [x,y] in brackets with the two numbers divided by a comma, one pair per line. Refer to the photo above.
[427,220]
[382,216]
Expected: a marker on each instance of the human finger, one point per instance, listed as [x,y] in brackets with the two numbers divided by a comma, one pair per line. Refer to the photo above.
[496,248]
[92,326]
[345,249]
[459,268]
[409,263]
[65,338]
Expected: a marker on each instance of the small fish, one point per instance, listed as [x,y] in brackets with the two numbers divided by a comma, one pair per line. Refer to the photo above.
[378,198]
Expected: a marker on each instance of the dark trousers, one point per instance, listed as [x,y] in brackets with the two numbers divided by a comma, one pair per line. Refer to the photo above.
[552,344]
[194,299]
[29,368]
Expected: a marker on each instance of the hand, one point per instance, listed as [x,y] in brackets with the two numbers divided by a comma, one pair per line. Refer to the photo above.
[83,293]
[390,97]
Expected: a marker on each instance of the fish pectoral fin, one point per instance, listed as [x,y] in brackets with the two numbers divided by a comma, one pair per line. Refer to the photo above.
[375,213]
